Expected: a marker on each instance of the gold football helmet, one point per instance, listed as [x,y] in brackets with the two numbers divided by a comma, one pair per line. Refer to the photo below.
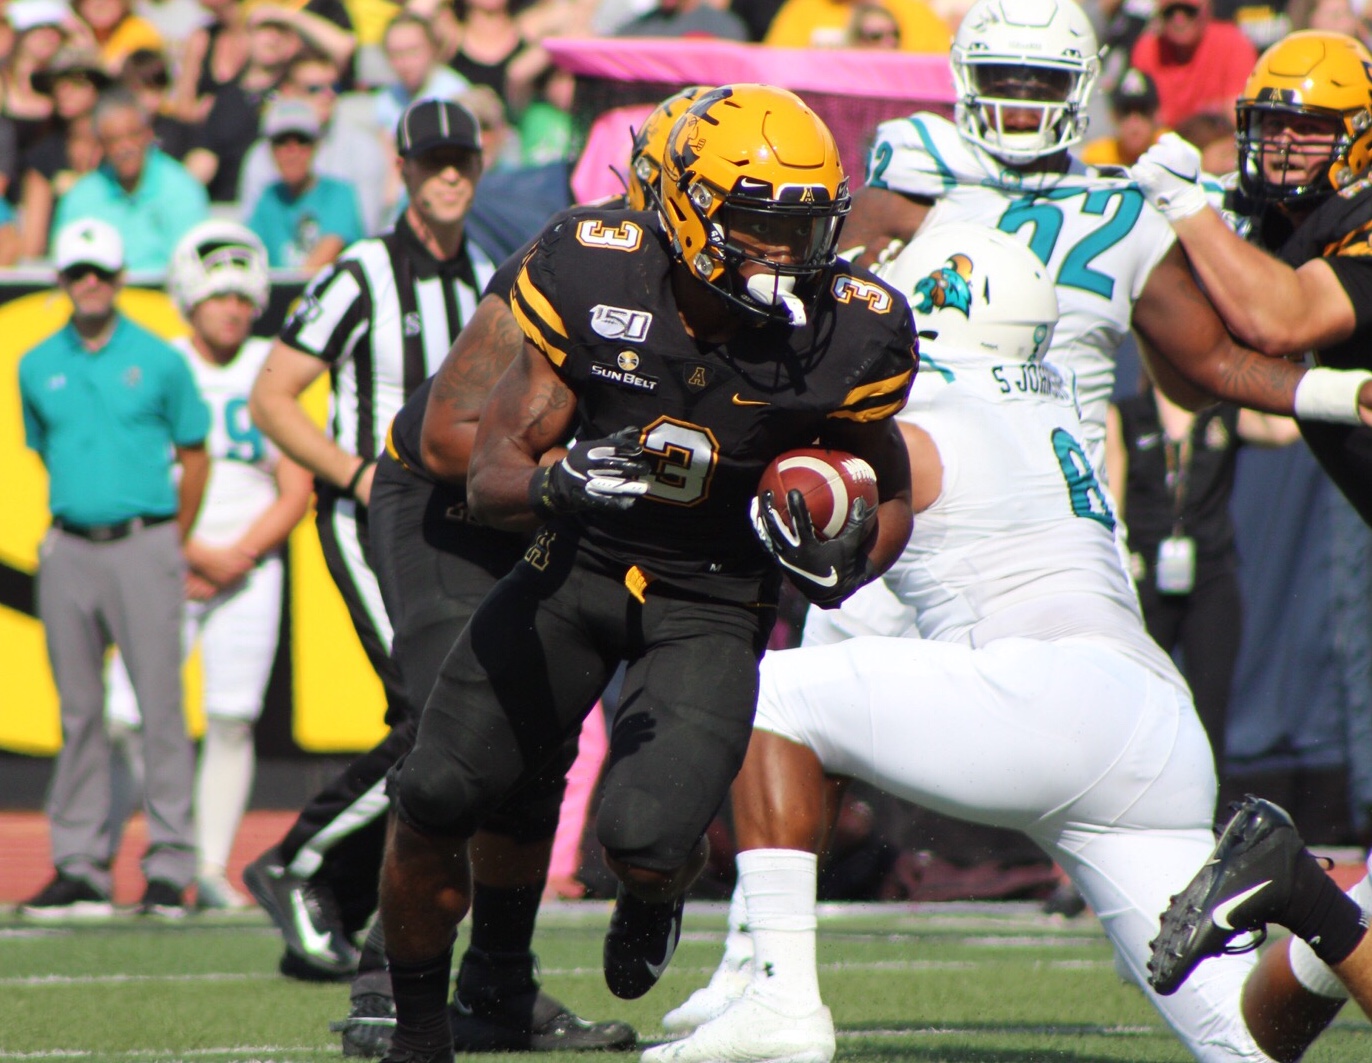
[752,175]
[650,143]
[1312,75]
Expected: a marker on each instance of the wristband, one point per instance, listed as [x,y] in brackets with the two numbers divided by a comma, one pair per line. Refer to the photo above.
[1325,394]
[351,489]
[540,493]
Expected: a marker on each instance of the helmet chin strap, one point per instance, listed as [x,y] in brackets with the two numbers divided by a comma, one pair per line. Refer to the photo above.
[774,289]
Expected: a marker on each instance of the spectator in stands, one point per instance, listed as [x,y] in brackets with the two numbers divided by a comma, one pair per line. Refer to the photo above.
[51,167]
[484,42]
[824,24]
[1198,62]
[1134,109]
[230,125]
[213,57]
[412,52]
[305,219]
[1214,135]
[346,149]
[40,28]
[873,26]
[9,235]
[145,74]
[687,18]
[148,197]
[117,31]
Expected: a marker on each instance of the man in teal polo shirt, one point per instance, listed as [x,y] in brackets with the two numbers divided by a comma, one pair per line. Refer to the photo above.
[106,405]
[148,196]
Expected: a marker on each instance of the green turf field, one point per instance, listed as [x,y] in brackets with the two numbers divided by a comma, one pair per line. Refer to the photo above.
[989,983]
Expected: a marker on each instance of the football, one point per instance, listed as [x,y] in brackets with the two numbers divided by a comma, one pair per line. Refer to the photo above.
[830,480]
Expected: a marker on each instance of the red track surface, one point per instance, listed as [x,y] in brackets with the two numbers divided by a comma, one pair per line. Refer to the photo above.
[26,862]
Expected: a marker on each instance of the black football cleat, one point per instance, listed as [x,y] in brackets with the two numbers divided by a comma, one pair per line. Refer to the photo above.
[1245,884]
[496,1007]
[369,1027]
[306,913]
[640,943]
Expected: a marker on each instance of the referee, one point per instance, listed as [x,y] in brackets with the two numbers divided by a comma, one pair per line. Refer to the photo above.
[380,320]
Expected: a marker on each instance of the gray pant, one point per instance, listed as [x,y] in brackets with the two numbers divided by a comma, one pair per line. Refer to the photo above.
[130,593]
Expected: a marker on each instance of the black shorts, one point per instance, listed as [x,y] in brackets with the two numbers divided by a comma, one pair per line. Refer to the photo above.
[528,668]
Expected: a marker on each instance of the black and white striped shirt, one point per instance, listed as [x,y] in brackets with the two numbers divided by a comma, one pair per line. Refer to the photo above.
[383,316]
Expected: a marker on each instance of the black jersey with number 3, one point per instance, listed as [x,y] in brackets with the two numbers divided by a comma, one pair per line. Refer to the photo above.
[595,296]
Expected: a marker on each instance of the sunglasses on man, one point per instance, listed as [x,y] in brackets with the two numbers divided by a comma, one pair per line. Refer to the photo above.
[81,270]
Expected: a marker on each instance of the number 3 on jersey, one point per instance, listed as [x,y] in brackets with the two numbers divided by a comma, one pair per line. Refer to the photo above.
[686,457]
[1087,498]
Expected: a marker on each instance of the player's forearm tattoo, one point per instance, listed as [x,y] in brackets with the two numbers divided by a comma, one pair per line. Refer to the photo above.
[1256,380]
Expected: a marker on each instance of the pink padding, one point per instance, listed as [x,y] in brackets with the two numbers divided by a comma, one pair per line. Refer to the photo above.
[581,782]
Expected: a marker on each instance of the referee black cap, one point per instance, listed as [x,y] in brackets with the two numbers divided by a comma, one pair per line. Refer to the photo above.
[431,124]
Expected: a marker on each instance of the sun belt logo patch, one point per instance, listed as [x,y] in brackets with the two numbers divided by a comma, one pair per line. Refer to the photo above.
[946,288]
[627,360]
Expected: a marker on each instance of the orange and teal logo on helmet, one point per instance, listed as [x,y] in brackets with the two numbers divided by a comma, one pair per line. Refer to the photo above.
[946,288]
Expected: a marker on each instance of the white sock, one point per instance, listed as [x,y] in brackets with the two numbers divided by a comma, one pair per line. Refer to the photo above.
[738,942]
[779,888]
[223,782]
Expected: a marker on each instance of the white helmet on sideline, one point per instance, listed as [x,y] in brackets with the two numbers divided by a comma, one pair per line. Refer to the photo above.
[977,293]
[1024,55]
[214,258]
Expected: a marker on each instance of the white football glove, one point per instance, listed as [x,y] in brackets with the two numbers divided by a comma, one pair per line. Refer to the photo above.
[1169,175]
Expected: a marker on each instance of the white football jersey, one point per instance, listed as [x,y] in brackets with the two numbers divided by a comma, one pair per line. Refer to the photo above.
[1021,540]
[1096,233]
[243,461]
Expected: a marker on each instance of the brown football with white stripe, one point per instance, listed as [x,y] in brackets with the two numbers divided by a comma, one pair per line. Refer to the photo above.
[830,480]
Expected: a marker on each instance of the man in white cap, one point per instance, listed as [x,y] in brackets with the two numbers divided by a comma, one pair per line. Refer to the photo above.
[106,405]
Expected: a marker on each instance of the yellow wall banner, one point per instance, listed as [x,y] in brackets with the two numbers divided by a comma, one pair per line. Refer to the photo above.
[334,701]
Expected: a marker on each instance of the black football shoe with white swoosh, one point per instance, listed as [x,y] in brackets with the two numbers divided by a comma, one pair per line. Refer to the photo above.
[640,943]
[1246,883]
[306,913]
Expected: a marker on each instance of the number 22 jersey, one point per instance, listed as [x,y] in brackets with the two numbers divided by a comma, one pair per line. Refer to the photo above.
[1096,234]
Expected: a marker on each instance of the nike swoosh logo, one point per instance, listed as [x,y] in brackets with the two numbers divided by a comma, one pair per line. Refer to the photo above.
[739,400]
[312,939]
[1221,916]
[824,581]
[656,969]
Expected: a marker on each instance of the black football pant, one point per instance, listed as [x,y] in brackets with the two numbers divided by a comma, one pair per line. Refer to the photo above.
[537,654]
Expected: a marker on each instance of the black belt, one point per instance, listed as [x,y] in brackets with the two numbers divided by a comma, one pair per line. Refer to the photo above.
[109,533]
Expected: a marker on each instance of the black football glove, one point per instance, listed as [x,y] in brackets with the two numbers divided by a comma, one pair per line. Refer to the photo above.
[604,474]
[825,571]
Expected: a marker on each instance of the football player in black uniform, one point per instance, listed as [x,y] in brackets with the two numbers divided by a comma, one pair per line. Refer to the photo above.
[683,354]
[434,566]
[1304,284]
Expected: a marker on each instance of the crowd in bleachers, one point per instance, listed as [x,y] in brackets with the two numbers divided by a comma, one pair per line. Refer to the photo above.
[213,81]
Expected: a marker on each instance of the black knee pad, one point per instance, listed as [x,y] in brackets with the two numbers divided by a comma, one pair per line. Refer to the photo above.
[636,828]
[434,798]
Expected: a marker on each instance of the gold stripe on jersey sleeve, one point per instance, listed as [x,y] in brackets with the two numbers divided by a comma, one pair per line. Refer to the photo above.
[538,303]
[861,404]
[535,335]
